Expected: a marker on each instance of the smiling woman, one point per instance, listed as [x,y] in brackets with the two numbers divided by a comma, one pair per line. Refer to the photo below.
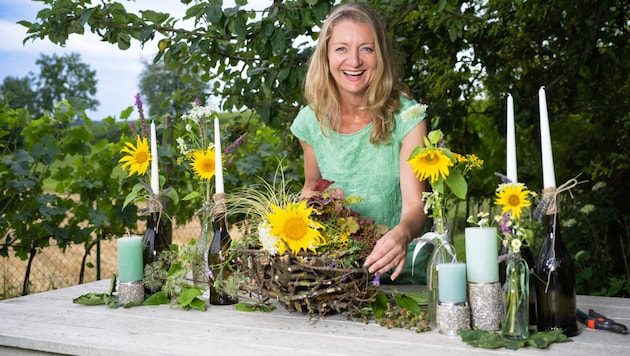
[356,131]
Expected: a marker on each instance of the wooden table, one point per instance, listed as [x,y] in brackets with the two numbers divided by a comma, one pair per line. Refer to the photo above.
[50,323]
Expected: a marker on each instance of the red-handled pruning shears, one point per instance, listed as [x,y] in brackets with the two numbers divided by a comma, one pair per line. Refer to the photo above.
[594,320]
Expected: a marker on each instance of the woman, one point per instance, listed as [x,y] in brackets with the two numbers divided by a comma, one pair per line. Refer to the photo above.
[352,131]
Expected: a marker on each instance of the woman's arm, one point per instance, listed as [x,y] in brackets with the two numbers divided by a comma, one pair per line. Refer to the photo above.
[311,170]
[391,249]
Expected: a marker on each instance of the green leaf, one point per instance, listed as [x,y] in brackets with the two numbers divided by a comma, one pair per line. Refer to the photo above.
[249,307]
[379,305]
[198,304]
[90,299]
[158,298]
[191,195]
[407,302]
[456,181]
[187,296]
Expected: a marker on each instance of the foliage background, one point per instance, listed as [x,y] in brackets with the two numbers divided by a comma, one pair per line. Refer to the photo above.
[460,57]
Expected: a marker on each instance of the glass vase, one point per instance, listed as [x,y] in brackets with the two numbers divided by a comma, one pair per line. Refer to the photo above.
[443,252]
[515,323]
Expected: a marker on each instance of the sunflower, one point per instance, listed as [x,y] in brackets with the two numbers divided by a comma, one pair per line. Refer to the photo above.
[430,163]
[203,163]
[513,197]
[294,226]
[137,158]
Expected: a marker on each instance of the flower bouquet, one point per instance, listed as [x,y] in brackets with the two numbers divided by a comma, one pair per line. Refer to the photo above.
[306,253]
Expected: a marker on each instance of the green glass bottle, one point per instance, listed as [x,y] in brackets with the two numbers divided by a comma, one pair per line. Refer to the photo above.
[555,281]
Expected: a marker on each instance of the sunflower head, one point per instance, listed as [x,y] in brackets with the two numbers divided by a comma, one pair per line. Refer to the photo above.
[513,197]
[294,228]
[203,163]
[430,162]
[136,158]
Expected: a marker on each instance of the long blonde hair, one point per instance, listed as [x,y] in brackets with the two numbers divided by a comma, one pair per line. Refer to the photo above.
[383,94]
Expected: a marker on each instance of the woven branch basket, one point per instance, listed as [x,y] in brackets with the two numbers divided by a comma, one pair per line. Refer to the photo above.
[307,283]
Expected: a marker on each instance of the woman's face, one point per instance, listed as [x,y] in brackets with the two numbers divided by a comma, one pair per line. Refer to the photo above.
[352,57]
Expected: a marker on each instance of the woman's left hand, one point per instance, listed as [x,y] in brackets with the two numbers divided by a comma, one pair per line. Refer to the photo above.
[390,251]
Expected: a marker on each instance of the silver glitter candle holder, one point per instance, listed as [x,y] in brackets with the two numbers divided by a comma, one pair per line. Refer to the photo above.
[452,317]
[130,292]
[486,305]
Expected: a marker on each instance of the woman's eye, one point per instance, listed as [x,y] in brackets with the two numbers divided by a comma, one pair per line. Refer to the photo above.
[340,49]
[367,49]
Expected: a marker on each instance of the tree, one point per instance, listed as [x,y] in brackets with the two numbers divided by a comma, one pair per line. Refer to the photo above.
[168,91]
[460,57]
[65,78]
[19,92]
[60,78]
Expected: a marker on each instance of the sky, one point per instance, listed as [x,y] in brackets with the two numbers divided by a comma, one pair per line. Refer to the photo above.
[117,71]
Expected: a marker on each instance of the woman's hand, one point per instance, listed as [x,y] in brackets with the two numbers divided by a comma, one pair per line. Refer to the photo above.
[390,251]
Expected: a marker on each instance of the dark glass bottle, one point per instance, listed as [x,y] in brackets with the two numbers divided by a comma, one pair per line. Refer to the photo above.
[156,239]
[555,281]
[218,262]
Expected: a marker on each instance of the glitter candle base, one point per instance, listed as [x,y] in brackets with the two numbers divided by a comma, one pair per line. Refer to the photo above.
[453,317]
[486,305]
[130,292]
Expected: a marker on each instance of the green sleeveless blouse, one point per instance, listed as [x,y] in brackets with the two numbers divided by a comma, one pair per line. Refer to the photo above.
[360,168]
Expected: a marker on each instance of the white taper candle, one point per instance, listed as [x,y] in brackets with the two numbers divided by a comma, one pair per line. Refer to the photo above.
[549,177]
[218,158]
[511,141]
[155,175]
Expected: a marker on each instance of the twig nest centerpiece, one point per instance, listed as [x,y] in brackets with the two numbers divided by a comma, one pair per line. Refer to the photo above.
[306,253]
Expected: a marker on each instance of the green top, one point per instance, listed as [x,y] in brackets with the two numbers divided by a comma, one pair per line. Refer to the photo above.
[360,168]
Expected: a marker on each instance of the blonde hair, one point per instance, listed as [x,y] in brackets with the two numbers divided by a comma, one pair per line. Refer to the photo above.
[383,94]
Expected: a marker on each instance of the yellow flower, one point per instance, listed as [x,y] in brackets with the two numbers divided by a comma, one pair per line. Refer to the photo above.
[294,226]
[137,158]
[513,197]
[430,163]
[203,163]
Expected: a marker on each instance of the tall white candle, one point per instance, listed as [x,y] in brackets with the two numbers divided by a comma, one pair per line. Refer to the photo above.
[218,158]
[549,177]
[511,141]
[155,175]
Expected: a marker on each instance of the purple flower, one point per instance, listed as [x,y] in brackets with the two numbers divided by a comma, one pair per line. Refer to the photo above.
[376,282]
[234,145]
[143,124]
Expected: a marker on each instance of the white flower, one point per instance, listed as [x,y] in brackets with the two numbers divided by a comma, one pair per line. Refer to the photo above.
[415,112]
[267,240]
[569,222]
[516,245]
[598,186]
[587,209]
[181,145]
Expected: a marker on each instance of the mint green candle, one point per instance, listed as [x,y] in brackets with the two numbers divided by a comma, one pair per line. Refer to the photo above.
[130,266]
[452,282]
[481,254]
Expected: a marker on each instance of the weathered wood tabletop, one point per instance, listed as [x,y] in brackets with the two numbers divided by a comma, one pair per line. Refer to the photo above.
[50,323]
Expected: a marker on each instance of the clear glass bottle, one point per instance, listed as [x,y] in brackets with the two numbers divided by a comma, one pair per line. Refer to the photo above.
[516,315]
[443,252]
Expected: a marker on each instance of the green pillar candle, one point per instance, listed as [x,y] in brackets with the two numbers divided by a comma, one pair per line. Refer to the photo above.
[452,282]
[481,254]
[130,267]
